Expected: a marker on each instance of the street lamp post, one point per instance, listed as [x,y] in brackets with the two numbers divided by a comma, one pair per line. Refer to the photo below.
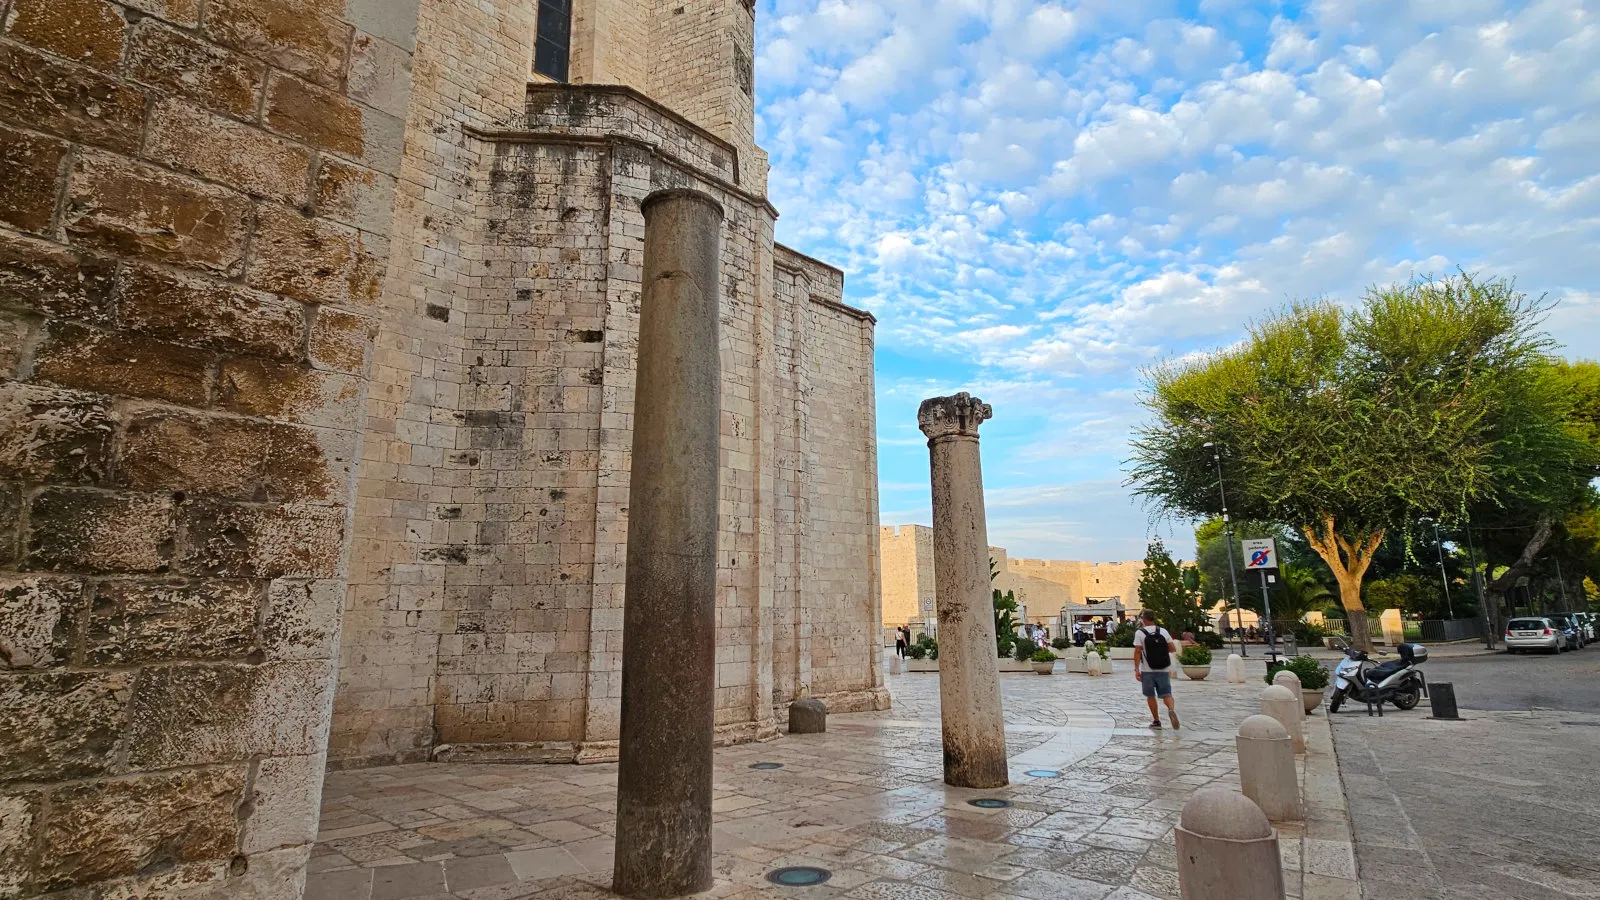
[1438,542]
[1227,536]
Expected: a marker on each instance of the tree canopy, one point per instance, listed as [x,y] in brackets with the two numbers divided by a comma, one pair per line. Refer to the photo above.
[1163,593]
[1344,424]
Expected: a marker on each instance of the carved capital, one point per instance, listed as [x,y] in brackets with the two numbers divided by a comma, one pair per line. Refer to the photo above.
[940,417]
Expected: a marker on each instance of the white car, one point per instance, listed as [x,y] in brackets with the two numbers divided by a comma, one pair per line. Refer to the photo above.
[1530,633]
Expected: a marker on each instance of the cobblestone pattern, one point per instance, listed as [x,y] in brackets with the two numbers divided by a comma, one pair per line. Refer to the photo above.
[864,801]
[195,203]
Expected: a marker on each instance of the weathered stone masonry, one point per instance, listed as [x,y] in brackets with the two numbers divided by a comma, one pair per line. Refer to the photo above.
[317,333]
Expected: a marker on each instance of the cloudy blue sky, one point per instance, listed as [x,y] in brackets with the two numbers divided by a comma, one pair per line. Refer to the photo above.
[1039,199]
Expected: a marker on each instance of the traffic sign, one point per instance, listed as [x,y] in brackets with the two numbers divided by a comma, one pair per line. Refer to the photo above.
[1260,553]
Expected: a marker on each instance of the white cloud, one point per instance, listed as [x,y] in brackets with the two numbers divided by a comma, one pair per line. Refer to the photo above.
[1046,196]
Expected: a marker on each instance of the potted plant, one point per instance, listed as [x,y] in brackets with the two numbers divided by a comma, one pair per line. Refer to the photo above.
[1044,662]
[1196,661]
[1100,663]
[1078,660]
[1313,678]
[1120,641]
[924,655]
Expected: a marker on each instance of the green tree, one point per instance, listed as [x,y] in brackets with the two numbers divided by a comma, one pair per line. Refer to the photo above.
[1545,455]
[1005,620]
[1345,424]
[1162,591]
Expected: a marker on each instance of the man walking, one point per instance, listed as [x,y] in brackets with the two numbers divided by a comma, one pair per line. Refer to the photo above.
[1153,656]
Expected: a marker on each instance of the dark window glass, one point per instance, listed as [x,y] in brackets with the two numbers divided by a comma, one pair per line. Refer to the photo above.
[554,42]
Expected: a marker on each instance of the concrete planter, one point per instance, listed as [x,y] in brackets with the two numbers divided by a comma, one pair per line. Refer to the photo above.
[1197,673]
[922,665]
[1122,653]
[1312,698]
[1044,668]
[1077,664]
[1011,665]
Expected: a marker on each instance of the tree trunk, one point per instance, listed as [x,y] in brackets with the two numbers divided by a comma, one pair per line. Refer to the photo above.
[1495,590]
[1355,610]
[1348,558]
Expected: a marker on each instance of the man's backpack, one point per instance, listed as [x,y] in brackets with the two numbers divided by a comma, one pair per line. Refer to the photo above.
[1157,653]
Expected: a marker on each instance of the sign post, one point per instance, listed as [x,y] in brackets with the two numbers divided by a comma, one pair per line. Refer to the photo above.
[1262,554]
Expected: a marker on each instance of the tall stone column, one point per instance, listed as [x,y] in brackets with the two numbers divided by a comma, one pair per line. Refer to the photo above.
[969,670]
[663,846]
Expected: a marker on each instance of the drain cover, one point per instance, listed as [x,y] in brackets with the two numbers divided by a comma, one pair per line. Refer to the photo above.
[765,766]
[989,803]
[799,876]
[1042,773]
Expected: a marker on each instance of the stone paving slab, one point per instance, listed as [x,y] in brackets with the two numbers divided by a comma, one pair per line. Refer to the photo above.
[865,801]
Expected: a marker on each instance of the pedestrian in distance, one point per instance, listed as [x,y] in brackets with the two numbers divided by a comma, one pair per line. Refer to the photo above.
[900,641]
[1154,653]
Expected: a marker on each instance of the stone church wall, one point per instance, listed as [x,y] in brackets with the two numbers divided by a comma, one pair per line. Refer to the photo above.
[194,227]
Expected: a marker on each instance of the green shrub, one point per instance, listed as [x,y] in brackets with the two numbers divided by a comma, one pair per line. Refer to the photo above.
[1194,655]
[1061,643]
[1023,649]
[1102,649]
[1211,639]
[1042,655]
[925,648]
[1313,677]
[1122,635]
[1309,635]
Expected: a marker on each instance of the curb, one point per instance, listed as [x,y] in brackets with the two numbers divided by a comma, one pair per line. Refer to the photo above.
[1324,848]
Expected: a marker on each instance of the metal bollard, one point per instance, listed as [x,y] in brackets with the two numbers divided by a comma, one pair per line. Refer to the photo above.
[1442,700]
[1280,703]
[1235,669]
[1288,679]
[1227,849]
[1266,768]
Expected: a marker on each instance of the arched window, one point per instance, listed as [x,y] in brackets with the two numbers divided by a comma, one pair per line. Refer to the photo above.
[553,45]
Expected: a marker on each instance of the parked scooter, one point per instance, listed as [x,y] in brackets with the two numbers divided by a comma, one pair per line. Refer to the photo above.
[1397,681]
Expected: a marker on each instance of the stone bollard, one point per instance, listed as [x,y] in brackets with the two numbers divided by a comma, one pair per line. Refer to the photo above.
[1266,768]
[1095,664]
[896,665]
[1235,669]
[1442,700]
[1289,709]
[808,716]
[1288,679]
[1227,849]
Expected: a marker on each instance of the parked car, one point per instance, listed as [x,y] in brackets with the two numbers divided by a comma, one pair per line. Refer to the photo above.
[1535,633]
[1588,621]
[1567,623]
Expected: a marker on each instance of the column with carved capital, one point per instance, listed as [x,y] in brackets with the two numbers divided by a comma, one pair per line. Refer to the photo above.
[969,670]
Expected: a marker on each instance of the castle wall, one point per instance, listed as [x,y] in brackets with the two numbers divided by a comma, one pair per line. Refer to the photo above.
[195,211]
[1043,586]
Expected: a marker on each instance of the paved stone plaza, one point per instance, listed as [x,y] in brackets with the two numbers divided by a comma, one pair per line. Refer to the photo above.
[864,801]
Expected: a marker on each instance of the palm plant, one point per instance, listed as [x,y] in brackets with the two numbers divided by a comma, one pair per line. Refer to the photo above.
[1298,593]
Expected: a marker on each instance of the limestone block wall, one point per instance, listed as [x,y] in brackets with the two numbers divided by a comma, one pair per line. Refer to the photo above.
[423,510]
[907,575]
[529,661]
[195,205]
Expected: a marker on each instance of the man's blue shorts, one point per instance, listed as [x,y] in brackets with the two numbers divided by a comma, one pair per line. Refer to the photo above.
[1156,684]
